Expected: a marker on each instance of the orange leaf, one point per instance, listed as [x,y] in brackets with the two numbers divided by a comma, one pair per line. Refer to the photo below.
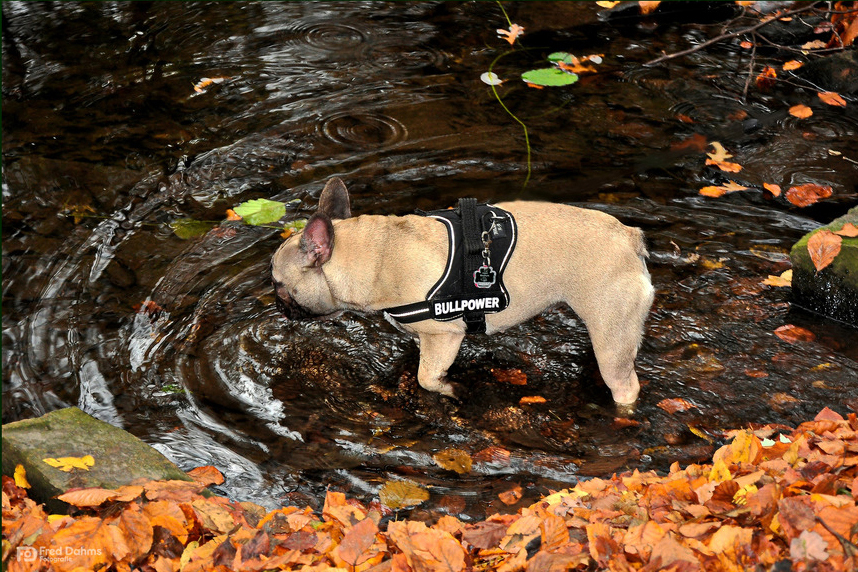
[792,65]
[848,230]
[725,165]
[136,528]
[675,404]
[206,476]
[807,194]
[232,215]
[729,187]
[823,247]
[832,98]
[88,497]
[511,496]
[773,189]
[648,7]
[531,399]
[512,376]
[766,79]
[512,34]
[746,45]
[534,86]
[792,334]
[91,532]
[801,111]
[850,34]
[354,548]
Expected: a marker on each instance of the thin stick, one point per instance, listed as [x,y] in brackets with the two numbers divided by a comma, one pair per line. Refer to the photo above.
[733,34]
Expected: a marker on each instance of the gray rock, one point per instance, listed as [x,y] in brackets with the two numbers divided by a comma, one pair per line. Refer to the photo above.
[833,291]
[120,458]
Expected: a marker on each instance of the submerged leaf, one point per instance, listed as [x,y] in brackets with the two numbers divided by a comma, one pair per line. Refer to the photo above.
[807,194]
[186,228]
[402,494]
[549,77]
[792,334]
[260,211]
[454,460]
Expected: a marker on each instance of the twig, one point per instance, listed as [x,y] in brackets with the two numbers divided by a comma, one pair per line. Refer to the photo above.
[724,36]
[750,71]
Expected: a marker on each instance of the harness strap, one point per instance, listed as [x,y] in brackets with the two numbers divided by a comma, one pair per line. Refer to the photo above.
[471,233]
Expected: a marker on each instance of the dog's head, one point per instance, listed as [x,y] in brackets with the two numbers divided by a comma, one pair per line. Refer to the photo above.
[301,287]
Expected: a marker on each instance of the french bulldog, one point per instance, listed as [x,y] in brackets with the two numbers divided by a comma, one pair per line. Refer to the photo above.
[583,257]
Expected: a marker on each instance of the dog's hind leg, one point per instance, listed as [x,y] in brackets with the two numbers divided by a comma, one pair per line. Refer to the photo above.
[437,353]
[616,330]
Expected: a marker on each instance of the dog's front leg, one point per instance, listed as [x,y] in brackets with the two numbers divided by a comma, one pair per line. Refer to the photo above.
[437,353]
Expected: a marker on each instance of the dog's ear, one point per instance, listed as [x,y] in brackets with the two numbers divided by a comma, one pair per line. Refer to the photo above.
[317,242]
[334,200]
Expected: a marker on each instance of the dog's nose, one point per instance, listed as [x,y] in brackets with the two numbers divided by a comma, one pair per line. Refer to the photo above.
[282,300]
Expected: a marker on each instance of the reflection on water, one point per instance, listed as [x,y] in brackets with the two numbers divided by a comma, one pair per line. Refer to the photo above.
[178,341]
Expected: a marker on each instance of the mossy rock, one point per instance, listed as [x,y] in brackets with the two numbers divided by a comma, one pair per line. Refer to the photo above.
[833,291]
[120,457]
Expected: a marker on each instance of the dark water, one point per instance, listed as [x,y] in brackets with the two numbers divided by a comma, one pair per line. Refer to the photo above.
[178,341]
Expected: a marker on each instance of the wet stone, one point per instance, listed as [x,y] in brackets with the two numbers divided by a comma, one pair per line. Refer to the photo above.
[833,291]
[119,457]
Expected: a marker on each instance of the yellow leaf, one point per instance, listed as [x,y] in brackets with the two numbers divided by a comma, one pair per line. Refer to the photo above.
[784,280]
[454,460]
[719,472]
[720,153]
[68,463]
[400,494]
[21,477]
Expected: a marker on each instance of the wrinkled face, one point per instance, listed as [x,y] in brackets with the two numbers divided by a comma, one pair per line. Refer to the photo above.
[300,287]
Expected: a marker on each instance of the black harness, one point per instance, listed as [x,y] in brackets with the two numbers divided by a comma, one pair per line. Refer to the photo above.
[481,240]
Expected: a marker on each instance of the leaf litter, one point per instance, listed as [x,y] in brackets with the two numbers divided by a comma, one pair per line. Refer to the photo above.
[764,501]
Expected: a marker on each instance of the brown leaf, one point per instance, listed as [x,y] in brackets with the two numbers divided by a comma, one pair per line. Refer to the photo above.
[808,194]
[766,79]
[792,334]
[88,532]
[512,376]
[213,516]
[206,476]
[832,98]
[137,531]
[848,230]
[823,247]
[511,496]
[354,548]
[675,404]
[485,535]
[801,111]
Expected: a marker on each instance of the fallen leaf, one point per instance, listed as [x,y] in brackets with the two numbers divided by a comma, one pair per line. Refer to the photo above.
[775,190]
[401,494]
[823,247]
[832,98]
[675,405]
[88,497]
[206,476]
[205,82]
[21,477]
[454,460]
[720,154]
[725,165]
[354,548]
[807,194]
[260,211]
[785,279]
[531,399]
[607,4]
[511,376]
[511,496]
[718,191]
[648,7]
[232,215]
[801,111]
[512,34]
[809,545]
[68,463]
[792,334]
[814,45]
[766,79]
[792,65]
[848,230]
[746,45]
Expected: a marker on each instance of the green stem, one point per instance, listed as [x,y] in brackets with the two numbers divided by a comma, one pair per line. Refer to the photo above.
[511,114]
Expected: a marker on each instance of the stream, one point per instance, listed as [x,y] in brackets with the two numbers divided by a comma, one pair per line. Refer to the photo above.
[111,133]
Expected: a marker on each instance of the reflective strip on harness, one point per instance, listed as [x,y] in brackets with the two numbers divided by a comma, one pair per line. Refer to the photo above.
[456,294]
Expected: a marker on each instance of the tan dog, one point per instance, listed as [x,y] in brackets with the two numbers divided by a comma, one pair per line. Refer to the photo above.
[585,258]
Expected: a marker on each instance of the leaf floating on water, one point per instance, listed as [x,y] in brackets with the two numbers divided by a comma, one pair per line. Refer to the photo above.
[402,494]
[767,77]
[511,496]
[675,405]
[718,191]
[807,194]
[784,280]
[792,65]
[832,98]
[607,4]
[801,111]
[207,82]
[648,7]
[206,476]
[532,399]
[261,211]
[719,154]
[823,247]
[551,77]
[186,228]
[491,78]
[775,190]
[792,334]
[454,460]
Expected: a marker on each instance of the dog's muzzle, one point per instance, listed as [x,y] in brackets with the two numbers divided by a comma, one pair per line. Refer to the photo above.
[289,307]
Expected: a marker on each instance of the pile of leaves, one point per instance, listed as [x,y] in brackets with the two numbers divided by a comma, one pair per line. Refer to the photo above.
[771,495]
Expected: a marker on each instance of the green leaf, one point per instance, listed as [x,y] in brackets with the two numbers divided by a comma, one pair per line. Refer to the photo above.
[549,77]
[186,228]
[260,211]
[564,57]
[295,225]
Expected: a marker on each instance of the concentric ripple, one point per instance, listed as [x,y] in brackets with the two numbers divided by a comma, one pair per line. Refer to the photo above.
[363,130]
